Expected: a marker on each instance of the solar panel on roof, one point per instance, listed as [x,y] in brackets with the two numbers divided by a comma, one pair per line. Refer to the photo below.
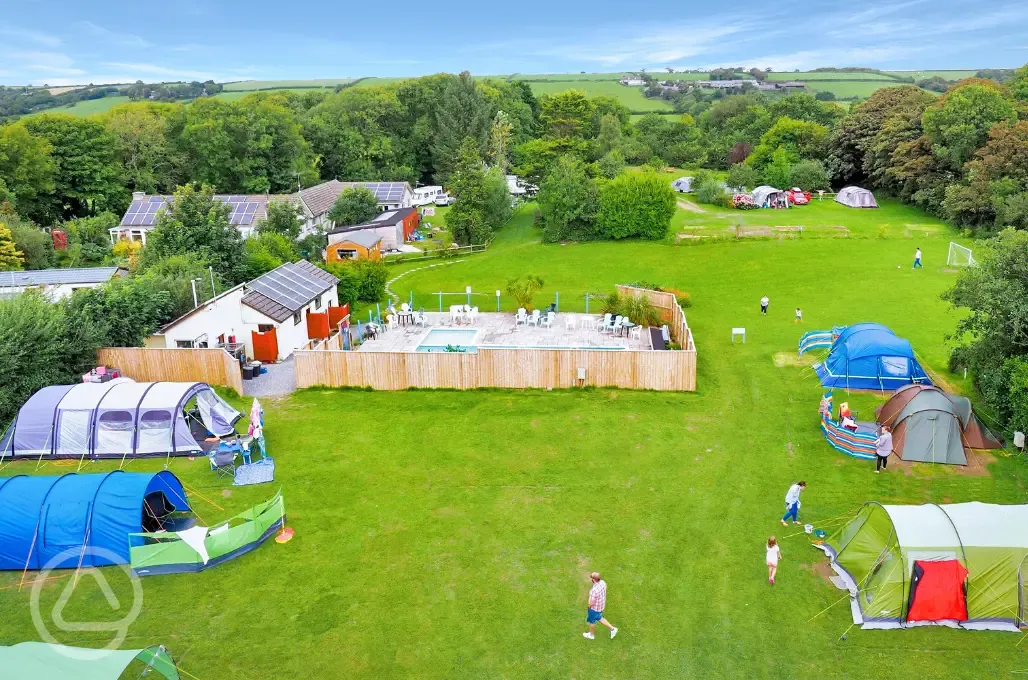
[246,219]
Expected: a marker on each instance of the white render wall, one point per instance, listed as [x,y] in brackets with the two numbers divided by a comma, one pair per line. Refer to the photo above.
[52,293]
[227,316]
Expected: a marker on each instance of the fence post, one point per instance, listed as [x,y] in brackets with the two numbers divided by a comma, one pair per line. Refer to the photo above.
[587,303]
[440,303]
[467,289]
[556,303]
[497,301]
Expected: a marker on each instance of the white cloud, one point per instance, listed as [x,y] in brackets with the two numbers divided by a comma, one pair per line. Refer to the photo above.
[158,70]
[29,35]
[115,37]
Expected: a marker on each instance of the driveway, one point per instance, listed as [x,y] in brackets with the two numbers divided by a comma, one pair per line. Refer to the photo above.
[280,379]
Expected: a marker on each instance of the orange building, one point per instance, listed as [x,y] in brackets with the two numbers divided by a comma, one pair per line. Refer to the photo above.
[355,245]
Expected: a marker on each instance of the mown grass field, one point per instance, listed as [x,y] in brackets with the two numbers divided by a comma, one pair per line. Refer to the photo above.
[947,75]
[449,534]
[847,89]
[87,107]
[248,85]
[826,75]
[632,97]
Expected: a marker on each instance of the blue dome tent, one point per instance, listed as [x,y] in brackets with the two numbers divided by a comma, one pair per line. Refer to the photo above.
[117,419]
[58,521]
[869,356]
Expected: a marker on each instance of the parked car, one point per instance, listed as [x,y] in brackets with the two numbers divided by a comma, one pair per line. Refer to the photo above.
[798,196]
[444,199]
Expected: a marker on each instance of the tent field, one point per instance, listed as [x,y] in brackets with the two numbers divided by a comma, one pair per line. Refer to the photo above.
[450,534]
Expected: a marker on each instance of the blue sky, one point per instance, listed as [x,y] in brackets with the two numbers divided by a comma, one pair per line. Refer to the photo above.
[61,42]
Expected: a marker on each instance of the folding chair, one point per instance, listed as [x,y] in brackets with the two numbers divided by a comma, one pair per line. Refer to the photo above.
[223,461]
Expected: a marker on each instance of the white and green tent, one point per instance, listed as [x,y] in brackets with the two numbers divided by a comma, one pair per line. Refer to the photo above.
[42,661]
[963,565]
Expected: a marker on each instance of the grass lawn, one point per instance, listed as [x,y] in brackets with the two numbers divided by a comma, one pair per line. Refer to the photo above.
[947,75]
[449,534]
[826,75]
[250,85]
[632,97]
[87,107]
[847,89]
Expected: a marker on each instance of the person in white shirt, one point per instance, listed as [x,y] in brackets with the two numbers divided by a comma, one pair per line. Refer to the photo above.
[792,502]
[597,603]
[883,447]
[764,302]
[774,553]
[917,259]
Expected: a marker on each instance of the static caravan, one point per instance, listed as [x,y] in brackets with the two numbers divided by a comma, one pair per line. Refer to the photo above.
[426,195]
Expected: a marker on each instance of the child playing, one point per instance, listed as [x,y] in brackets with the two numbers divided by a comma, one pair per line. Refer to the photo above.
[774,553]
[799,316]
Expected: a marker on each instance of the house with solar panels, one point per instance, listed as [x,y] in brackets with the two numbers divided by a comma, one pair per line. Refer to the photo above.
[319,199]
[141,216]
[56,284]
[271,316]
[387,232]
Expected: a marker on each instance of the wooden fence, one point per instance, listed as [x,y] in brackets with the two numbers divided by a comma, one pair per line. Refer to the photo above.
[212,366]
[513,368]
[670,311]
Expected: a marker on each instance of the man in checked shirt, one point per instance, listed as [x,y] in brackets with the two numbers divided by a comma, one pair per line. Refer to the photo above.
[597,602]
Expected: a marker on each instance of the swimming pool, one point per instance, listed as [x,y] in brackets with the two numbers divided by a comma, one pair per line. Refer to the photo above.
[438,339]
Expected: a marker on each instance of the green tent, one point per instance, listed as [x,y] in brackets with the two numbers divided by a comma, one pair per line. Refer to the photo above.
[960,565]
[199,548]
[42,661]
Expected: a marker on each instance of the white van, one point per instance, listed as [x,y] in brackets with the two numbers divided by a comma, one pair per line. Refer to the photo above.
[426,195]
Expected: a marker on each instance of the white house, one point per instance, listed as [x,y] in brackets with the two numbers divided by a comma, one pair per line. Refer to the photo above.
[317,200]
[278,301]
[56,284]
[141,216]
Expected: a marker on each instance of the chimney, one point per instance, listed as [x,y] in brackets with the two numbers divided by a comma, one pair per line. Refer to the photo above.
[138,195]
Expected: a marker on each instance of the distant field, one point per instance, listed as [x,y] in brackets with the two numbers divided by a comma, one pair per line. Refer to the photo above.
[233,96]
[373,82]
[631,97]
[946,75]
[88,107]
[564,76]
[826,75]
[848,90]
[248,85]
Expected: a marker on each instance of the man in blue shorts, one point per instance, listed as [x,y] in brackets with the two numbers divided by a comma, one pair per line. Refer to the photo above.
[597,603]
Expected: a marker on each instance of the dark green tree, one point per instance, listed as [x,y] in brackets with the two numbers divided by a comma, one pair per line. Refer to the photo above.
[568,202]
[635,204]
[123,312]
[463,113]
[26,171]
[283,218]
[356,205]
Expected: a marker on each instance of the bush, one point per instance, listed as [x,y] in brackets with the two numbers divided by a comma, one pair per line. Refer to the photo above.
[611,164]
[710,191]
[825,96]
[635,204]
[742,175]
[360,281]
[637,309]
[808,175]
[656,163]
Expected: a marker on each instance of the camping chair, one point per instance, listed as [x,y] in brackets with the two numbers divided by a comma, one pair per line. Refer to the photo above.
[521,317]
[223,461]
[534,319]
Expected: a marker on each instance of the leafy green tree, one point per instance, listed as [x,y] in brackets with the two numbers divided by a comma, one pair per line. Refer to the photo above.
[145,144]
[311,247]
[267,250]
[678,142]
[611,164]
[960,121]
[568,202]
[253,145]
[124,311]
[196,224]
[472,218]
[532,160]
[1012,211]
[40,344]
[809,175]
[283,218]
[463,113]
[500,135]
[711,191]
[799,139]
[356,205]
[1018,85]
[523,288]
[610,136]
[604,107]
[566,114]
[778,172]
[806,107]
[87,177]
[11,258]
[90,237]
[26,170]
[373,277]
[635,204]
[742,175]
[994,326]
[176,274]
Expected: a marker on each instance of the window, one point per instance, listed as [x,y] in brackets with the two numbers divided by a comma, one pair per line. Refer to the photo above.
[317,302]
[184,344]
[265,327]
[297,317]
[346,253]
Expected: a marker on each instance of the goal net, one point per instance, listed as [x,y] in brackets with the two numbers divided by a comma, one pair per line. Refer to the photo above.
[959,256]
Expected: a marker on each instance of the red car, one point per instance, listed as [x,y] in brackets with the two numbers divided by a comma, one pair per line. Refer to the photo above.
[798,196]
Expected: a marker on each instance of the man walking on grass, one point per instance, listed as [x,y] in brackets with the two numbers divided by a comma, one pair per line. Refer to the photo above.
[597,603]
[917,259]
[792,503]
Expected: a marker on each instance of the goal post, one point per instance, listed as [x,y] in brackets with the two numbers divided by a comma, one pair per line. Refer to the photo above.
[959,256]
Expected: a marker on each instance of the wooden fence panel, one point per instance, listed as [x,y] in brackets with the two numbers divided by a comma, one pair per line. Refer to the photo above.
[212,366]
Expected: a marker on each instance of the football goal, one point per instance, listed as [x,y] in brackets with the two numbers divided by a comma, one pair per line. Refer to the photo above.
[959,256]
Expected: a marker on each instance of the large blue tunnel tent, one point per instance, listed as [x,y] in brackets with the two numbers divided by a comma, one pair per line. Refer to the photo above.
[50,521]
[869,356]
[116,419]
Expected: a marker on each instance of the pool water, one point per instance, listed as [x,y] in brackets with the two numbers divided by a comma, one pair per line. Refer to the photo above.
[437,340]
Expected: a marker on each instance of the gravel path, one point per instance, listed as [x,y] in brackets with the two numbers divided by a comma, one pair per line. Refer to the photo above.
[280,379]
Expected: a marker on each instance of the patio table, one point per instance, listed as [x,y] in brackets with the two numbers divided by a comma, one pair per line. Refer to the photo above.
[625,325]
[405,317]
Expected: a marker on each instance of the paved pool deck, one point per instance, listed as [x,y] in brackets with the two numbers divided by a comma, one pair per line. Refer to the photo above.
[568,330]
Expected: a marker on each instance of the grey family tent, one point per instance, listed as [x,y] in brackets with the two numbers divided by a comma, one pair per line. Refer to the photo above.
[118,419]
[855,197]
[682,185]
[766,196]
[931,426]
[84,520]
[959,565]
[43,661]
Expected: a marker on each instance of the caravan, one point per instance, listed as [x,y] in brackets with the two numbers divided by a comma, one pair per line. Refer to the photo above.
[426,195]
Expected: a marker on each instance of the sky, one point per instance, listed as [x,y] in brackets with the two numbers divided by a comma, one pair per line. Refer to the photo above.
[63,42]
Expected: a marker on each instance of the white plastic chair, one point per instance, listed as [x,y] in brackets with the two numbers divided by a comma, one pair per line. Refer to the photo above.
[534,319]
[615,324]
[521,317]
[548,320]
[570,322]
[456,314]
[419,319]
[603,323]
[473,315]
[635,332]
[585,321]
[404,307]
[390,321]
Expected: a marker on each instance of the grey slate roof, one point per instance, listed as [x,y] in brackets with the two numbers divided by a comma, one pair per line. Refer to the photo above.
[362,237]
[286,289]
[389,218]
[320,197]
[56,277]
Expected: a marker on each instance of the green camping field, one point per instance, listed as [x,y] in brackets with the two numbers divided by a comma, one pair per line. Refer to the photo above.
[444,534]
